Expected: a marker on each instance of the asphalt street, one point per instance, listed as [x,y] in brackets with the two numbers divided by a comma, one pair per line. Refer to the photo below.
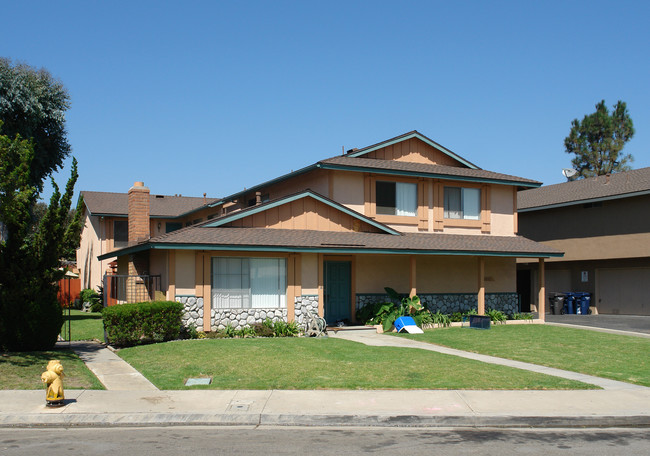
[163,441]
[632,323]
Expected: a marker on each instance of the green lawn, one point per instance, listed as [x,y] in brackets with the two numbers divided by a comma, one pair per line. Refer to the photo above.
[309,363]
[84,325]
[22,370]
[617,357]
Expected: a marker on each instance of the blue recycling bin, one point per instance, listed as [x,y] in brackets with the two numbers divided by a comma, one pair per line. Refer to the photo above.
[569,303]
[582,303]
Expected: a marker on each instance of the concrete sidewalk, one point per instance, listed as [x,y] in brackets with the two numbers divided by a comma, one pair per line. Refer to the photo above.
[131,400]
[426,408]
[114,373]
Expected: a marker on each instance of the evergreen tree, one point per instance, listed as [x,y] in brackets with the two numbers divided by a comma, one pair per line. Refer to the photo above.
[30,314]
[598,140]
[33,105]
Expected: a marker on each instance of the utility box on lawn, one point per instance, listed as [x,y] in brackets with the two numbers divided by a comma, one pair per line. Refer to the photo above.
[479,321]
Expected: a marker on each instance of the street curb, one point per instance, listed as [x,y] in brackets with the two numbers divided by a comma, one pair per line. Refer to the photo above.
[256,419]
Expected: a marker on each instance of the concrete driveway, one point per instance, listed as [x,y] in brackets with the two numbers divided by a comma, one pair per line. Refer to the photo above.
[633,323]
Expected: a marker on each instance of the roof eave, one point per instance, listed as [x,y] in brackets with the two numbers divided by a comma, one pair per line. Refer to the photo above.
[407,136]
[322,249]
[584,201]
[429,175]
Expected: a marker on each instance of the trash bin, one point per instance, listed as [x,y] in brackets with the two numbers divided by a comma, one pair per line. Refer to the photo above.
[569,303]
[556,301]
[582,303]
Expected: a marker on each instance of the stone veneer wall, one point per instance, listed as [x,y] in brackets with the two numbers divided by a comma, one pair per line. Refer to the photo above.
[448,303]
[304,304]
[239,318]
[220,318]
[193,314]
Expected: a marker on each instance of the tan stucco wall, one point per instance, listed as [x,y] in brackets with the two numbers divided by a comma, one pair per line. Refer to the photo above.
[91,270]
[158,265]
[602,247]
[347,189]
[459,274]
[502,207]
[500,275]
[309,273]
[447,274]
[460,230]
[374,272]
[185,272]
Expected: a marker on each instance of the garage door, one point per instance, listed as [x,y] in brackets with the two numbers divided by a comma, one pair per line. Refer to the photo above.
[623,291]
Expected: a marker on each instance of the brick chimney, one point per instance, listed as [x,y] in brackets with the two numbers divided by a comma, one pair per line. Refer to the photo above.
[138,213]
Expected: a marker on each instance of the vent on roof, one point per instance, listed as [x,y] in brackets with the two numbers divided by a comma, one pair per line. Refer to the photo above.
[160,196]
[342,245]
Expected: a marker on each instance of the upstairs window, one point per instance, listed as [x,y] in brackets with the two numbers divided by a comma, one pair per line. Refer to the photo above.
[172,226]
[120,233]
[397,198]
[462,203]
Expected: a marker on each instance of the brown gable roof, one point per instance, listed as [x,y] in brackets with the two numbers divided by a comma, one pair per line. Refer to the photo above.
[304,240]
[406,136]
[421,169]
[618,185]
[116,204]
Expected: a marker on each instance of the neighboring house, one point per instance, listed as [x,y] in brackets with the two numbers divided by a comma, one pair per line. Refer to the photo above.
[603,226]
[106,226]
[406,213]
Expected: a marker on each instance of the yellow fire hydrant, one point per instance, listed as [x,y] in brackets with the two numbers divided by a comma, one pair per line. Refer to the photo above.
[53,377]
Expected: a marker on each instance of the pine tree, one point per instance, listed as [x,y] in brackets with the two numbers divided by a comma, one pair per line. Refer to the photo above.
[598,140]
[30,314]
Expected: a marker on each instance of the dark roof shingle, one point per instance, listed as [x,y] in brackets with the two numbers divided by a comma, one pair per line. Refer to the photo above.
[427,169]
[575,192]
[117,204]
[326,240]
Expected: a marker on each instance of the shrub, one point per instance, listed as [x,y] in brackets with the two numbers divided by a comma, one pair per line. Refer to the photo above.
[496,316]
[189,332]
[263,330]
[91,296]
[522,316]
[284,329]
[132,324]
[385,313]
[441,319]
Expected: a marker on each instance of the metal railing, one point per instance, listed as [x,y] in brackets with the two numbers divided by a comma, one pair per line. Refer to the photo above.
[120,289]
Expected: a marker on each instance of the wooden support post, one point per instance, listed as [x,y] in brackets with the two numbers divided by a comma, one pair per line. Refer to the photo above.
[481,286]
[541,305]
[413,274]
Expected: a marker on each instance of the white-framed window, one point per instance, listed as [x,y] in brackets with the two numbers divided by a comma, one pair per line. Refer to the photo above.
[462,203]
[396,198]
[245,283]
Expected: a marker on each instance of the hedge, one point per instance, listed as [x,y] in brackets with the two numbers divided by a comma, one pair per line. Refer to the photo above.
[143,322]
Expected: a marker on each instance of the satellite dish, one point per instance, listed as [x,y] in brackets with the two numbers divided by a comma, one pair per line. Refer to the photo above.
[569,173]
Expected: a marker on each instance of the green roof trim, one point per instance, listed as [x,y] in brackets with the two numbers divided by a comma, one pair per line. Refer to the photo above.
[584,201]
[308,193]
[406,137]
[340,250]
[263,185]
[392,172]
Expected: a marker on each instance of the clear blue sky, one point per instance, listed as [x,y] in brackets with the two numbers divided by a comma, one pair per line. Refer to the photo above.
[206,96]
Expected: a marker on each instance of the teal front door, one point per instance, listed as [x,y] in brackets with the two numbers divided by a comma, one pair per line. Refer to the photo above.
[337,291]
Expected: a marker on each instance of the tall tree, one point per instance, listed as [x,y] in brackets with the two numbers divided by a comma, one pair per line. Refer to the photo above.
[33,104]
[598,140]
[30,315]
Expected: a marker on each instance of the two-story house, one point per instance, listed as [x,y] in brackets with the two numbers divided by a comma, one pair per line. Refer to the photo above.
[603,226]
[406,213]
[106,226]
